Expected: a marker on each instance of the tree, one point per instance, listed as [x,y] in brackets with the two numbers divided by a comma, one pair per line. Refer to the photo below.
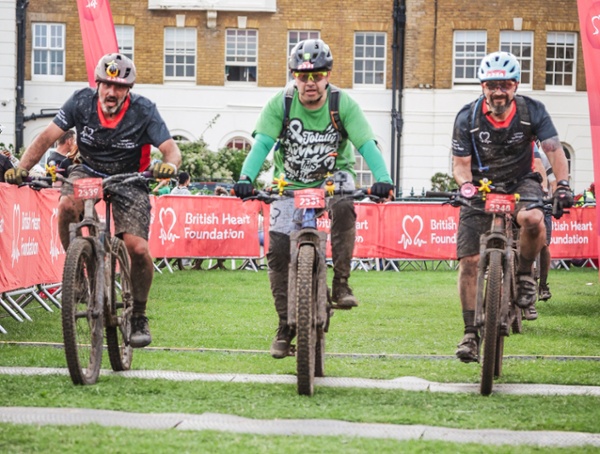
[441,181]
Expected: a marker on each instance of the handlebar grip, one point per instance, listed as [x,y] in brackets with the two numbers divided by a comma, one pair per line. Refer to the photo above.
[440,194]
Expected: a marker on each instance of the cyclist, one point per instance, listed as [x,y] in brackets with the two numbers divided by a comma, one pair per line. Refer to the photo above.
[115,129]
[492,139]
[308,147]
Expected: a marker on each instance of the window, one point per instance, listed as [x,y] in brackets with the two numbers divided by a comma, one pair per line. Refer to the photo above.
[294,37]
[469,49]
[560,60]
[180,53]
[364,177]
[125,39]
[520,44]
[239,143]
[369,58]
[241,55]
[48,51]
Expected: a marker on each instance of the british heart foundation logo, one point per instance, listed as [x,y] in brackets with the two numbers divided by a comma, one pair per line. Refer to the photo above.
[592,25]
[412,227]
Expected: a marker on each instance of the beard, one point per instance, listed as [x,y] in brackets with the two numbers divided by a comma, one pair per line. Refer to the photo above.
[499,109]
[111,110]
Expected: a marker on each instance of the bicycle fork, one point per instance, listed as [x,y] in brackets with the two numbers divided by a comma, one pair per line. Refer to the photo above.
[495,240]
[308,237]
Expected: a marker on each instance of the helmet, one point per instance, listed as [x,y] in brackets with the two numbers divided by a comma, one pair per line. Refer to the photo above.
[310,55]
[115,69]
[499,66]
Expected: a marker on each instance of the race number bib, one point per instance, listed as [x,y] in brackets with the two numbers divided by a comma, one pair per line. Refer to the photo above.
[499,203]
[87,188]
[309,198]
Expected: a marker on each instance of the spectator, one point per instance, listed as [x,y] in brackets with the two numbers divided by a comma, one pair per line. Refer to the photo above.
[65,144]
[182,187]
[163,187]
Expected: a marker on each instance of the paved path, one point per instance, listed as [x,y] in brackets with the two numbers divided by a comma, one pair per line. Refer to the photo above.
[236,424]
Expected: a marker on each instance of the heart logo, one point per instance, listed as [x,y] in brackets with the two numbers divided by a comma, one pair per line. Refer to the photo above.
[484,137]
[167,220]
[55,245]
[412,226]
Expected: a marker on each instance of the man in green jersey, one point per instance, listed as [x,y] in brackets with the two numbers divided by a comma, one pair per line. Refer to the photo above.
[312,140]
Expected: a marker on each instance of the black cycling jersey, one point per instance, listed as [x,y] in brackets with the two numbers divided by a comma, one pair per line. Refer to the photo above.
[505,154]
[107,150]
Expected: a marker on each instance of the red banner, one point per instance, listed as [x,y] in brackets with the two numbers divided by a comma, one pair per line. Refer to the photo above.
[97,32]
[204,226]
[213,227]
[589,25]
[30,248]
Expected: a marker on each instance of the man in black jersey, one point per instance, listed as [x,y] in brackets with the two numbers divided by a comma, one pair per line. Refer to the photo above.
[492,139]
[115,129]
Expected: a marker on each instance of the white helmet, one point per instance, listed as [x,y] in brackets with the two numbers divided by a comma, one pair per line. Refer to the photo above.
[499,66]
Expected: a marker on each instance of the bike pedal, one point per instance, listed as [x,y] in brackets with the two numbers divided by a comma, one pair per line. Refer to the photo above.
[292,350]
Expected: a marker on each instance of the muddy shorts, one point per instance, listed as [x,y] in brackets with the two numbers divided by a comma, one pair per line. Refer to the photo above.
[130,204]
[286,218]
[473,222]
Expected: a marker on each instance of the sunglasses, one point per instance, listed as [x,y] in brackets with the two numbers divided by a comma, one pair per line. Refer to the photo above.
[503,85]
[305,77]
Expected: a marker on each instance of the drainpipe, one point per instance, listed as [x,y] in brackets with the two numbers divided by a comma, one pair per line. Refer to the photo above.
[20,88]
[399,15]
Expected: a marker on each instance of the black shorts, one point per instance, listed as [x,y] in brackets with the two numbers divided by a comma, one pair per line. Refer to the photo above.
[473,223]
[130,204]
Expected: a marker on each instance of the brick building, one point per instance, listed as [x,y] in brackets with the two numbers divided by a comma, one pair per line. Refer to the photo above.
[211,66]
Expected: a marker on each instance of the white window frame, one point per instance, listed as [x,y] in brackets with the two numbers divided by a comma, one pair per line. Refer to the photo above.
[239,143]
[182,42]
[521,45]
[240,52]
[468,48]
[126,39]
[372,57]
[364,176]
[563,42]
[53,45]
[294,37]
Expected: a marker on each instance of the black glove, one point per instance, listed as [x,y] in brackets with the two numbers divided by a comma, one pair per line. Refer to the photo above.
[164,170]
[562,198]
[382,190]
[15,176]
[243,188]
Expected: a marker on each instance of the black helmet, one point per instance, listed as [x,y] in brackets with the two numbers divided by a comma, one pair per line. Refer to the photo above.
[310,55]
[115,69]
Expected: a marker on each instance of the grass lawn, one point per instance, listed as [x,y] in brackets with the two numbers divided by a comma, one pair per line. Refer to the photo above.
[407,324]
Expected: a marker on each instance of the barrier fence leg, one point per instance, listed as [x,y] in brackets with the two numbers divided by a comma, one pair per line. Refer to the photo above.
[8,309]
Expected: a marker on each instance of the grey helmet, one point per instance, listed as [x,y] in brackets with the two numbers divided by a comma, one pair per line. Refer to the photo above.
[310,55]
[115,69]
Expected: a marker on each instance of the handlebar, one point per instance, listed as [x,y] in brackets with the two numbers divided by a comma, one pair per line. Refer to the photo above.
[269,196]
[456,199]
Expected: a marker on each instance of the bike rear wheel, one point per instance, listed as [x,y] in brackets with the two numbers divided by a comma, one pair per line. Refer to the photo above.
[306,333]
[493,294]
[119,308]
[81,319]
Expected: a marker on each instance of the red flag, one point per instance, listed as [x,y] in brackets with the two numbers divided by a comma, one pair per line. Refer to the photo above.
[589,25]
[97,32]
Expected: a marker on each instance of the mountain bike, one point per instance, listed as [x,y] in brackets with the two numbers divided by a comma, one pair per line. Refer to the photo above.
[96,287]
[310,306]
[496,311]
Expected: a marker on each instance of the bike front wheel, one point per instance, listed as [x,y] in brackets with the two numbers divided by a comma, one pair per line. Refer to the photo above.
[119,308]
[81,318]
[493,294]
[306,333]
